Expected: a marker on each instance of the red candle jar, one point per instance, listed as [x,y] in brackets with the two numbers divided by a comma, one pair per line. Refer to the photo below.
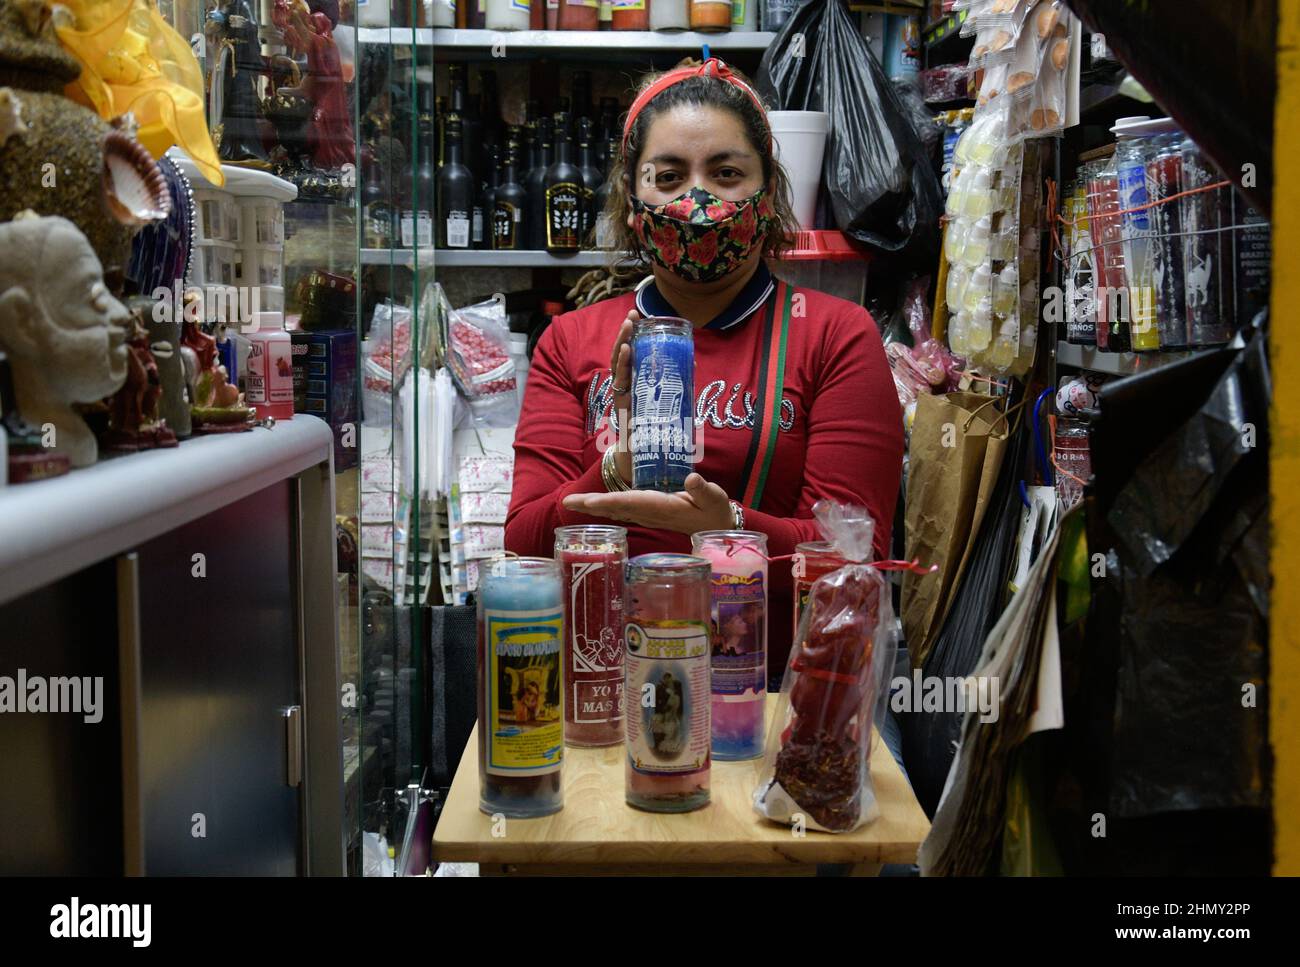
[591,560]
[579,15]
[668,606]
[630,15]
[812,560]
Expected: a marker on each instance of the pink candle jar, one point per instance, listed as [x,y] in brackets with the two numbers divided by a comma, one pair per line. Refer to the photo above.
[738,560]
[591,560]
[667,608]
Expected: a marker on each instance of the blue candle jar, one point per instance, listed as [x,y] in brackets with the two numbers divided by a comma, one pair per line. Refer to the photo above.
[520,688]
[662,435]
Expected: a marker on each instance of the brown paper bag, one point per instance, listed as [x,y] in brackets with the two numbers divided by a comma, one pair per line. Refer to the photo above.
[958,441]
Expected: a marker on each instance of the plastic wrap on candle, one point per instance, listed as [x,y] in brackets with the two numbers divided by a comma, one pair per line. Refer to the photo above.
[591,560]
[520,688]
[739,639]
[663,403]
[667,708]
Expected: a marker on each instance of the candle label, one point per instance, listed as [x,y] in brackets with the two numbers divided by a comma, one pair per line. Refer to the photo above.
[739,649]
[668,697]
[524,684]
[596,652]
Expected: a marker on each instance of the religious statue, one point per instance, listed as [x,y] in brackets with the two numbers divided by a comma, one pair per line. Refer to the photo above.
[62,329]
[329,133]
[237,72]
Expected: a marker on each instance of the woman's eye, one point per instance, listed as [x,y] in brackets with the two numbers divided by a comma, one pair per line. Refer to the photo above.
[730,174]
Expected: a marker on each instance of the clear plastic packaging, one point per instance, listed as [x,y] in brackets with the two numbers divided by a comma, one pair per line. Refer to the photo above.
[478,355]
[816,771]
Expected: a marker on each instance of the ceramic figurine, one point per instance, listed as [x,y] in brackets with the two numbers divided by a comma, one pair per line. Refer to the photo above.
[329,132]
[238,67]
[60,158]
[62,329]
[215,405]
[165,345]
[133,412]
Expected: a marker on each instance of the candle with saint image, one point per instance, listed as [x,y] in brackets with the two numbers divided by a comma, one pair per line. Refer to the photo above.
[667,686]
[662,435]
[591,559]
[520,687]
[739,639]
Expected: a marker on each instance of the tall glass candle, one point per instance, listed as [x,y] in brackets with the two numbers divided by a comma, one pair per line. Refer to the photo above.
[520,687]
[663,403]
[812,559]
[591,560]
[667,709]
[739,639]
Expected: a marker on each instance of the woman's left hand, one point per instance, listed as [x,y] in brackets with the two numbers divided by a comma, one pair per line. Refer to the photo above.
[702,506]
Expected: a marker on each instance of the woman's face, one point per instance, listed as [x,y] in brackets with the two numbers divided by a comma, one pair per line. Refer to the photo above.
[692,145]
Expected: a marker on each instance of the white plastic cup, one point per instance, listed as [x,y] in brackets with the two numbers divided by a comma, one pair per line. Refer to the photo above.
[800,141]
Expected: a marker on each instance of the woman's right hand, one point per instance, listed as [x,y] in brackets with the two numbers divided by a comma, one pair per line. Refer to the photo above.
[620,364]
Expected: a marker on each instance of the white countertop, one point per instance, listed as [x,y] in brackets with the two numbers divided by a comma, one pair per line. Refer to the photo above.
[52,528]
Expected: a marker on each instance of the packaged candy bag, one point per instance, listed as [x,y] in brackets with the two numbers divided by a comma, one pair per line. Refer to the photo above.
[815,767]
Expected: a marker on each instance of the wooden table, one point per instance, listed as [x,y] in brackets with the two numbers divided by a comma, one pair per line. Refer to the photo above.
[597,833]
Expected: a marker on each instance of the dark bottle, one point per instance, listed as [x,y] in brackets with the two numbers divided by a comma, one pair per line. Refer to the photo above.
[440,128]
[417,212]
[535,185]
[591,179]
[465,109]
[582,94]
[481,219]
[604,237]
[493,126]
[565,189]
[509,220]
[455,194]
[606,130]
[376,205]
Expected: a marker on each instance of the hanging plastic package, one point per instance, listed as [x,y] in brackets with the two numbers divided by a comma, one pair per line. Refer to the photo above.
[881,186]
[816,763]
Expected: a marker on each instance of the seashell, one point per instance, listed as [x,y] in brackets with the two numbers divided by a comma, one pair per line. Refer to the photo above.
[135,190]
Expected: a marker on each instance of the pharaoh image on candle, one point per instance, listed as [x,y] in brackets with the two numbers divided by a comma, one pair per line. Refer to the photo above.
[663,407]
[667,709]
[591,559]
[520,688]
[739,639]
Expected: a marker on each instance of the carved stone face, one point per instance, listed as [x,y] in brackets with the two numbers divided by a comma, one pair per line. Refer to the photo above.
[83,332]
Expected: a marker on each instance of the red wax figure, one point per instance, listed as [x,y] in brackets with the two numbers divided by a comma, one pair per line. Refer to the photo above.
[702,136]
[329,137]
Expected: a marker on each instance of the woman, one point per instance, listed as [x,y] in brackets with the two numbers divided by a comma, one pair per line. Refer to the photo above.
[704,201]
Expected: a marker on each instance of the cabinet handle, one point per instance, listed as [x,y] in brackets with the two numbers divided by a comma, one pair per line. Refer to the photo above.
[293,745]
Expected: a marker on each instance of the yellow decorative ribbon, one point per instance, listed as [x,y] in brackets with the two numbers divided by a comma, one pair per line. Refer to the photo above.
[132,60]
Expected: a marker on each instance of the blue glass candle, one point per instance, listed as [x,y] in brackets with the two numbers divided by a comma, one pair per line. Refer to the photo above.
[663,403]
[520,688]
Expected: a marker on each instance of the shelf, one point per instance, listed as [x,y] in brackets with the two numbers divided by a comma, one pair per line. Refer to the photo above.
[573,41]
[1116,364]
[482,258]
[52,528]
[945,28]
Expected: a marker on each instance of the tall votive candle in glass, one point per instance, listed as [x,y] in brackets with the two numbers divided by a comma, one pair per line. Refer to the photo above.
[591,559]
[520,687]
[667,605]
[663,403]
[738,560]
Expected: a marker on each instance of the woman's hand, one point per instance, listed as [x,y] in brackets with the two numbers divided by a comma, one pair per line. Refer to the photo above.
[620,364]
[702,506]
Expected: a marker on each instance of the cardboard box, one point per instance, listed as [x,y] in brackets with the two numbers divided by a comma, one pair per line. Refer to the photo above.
[325,385]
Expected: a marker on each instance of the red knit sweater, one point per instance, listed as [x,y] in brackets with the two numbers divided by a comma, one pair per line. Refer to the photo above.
[841,432]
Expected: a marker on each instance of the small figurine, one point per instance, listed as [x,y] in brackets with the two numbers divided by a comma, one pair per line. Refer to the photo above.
[133,412]
[27,458]
[232,29]
[62,329]
[215,405]
[329,134]
[165,344]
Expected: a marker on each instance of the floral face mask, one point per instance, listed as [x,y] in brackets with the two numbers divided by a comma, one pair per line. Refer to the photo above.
[700,236]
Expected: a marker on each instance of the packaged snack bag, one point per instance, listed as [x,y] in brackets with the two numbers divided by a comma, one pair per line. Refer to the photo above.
[815,768]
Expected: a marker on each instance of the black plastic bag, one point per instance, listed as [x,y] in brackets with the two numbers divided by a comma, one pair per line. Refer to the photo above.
[882,188]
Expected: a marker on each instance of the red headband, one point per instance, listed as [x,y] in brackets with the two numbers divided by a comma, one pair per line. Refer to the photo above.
[710,68]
